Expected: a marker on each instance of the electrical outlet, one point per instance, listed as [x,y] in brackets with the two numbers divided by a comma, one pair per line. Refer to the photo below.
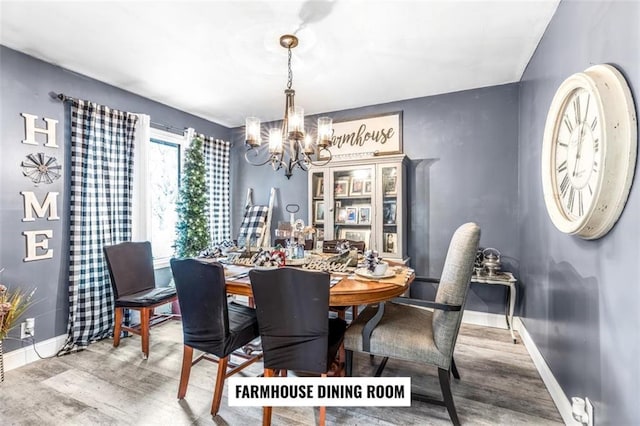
[28,328]
[31,327]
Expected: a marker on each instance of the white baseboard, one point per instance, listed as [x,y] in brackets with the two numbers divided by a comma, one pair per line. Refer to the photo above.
[484,318]
[26,355]
[563,404]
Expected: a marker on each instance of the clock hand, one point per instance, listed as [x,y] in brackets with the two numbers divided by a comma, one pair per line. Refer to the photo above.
[578,150]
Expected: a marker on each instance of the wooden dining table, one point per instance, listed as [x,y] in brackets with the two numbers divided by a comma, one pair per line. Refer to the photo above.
[350,290]
[346,290]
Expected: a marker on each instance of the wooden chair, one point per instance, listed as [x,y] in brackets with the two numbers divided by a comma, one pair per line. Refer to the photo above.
[210,324]
[283,297]
[414,334]
[133,283]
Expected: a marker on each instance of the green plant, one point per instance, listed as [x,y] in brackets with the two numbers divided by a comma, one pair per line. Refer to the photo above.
[192,228]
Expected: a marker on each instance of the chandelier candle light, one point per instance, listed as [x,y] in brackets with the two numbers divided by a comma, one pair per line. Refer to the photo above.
[300,148]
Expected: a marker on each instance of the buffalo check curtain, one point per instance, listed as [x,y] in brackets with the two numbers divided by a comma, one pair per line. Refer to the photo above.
[216,155]
[102,142]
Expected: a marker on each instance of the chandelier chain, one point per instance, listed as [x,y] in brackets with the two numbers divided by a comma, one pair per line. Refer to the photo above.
[290,76]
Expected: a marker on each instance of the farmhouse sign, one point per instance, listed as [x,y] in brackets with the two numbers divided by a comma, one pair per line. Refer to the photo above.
[378,135]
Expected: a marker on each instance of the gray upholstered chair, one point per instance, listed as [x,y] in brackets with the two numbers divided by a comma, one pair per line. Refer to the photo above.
[414,334]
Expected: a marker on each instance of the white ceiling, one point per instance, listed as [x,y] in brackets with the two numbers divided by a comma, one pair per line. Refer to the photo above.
[221,60]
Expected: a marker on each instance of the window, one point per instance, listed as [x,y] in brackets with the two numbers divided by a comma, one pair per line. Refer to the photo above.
[163,183]
[159,156]
[165,152]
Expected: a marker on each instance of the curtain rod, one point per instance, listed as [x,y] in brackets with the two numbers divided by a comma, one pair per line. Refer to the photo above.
[169,128]
[64,98]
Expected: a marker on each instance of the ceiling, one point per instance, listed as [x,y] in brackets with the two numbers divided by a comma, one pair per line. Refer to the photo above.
[221,60]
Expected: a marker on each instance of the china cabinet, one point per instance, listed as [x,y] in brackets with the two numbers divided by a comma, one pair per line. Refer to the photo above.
[362,200]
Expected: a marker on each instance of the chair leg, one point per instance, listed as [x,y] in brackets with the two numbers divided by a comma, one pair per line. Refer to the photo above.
[266,411]
[354,312]
[323,411]
[341,314]
[380,368]
[217,393]
[187,360]
[445,386]
[117,327]
[454,370]
[144,331]
[348,362]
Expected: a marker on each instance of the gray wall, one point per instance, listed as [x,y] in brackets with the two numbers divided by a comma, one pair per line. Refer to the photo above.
[463,155]
[26,83]
[581,300]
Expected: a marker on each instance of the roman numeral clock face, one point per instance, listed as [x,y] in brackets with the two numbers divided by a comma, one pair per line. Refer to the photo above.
[589,152]
[577,156]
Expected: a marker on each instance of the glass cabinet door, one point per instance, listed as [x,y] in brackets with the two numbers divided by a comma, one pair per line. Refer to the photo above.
[388,235]
[318,213]
[353,196]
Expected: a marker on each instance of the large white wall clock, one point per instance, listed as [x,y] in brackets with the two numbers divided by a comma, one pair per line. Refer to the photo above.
[589,152]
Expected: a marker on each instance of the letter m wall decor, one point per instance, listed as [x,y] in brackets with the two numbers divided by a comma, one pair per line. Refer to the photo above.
[372,135]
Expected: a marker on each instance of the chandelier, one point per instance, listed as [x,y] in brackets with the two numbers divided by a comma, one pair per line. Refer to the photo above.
[289,146]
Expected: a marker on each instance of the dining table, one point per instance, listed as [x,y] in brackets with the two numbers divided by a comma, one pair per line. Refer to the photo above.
[347,289]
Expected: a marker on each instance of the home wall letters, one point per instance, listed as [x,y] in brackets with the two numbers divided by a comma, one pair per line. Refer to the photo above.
[37,241]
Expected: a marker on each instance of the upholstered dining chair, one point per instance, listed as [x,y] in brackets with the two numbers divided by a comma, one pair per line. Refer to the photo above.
[130,267]
[408,332]
[210,324]
[297,334]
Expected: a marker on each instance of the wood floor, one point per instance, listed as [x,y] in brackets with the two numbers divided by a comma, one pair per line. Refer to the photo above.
[104,385]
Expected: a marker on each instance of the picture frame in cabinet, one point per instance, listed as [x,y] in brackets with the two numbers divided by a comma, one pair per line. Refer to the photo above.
[390,185]
[389,212]
[390,242]
[341,215]
[341,188]
[364,215]
[320,188]
[356,187]
[355,234]
[352,216]
[318,212]
[367,187]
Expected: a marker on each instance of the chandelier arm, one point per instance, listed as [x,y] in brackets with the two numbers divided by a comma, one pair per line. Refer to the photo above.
[255,154]
[321,163]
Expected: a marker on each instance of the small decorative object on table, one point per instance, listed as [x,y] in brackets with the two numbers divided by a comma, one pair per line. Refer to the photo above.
[269,259]
[374,263]
[346,254]
[491,261]
[12,305]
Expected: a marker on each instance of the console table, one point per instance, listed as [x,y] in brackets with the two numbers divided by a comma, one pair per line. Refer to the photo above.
[506,279]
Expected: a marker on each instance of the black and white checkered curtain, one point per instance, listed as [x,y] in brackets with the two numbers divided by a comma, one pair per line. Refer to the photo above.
[216,154]
[102,141]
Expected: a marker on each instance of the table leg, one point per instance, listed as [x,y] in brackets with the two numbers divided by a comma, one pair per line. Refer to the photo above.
[370,326]
[512,302]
